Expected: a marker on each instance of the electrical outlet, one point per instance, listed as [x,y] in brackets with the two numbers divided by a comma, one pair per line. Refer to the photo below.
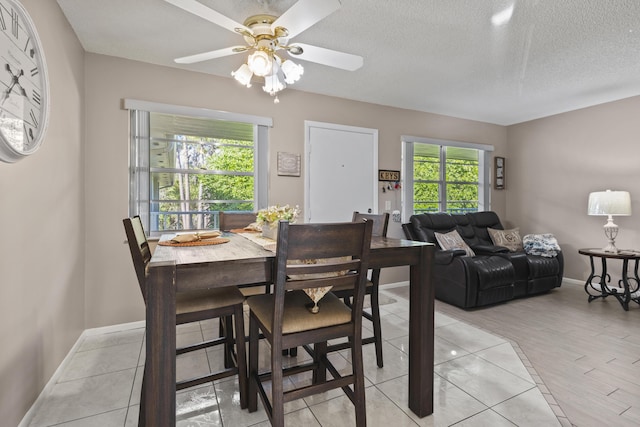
[387,205]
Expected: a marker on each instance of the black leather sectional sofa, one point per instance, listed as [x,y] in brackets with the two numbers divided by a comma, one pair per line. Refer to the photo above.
[494,273]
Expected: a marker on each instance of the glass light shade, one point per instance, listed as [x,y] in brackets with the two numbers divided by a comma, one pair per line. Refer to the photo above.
[610,203]
[260,63]
[243,75]
[292,71]
[272,84]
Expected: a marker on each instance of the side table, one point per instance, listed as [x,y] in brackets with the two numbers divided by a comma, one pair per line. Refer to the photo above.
[599,286]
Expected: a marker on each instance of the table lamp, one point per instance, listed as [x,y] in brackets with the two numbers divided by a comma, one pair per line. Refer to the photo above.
[610,203]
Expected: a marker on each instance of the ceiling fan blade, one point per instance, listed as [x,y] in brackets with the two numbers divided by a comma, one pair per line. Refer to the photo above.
[304,14]
[207,13]
[332,58]
[205,56]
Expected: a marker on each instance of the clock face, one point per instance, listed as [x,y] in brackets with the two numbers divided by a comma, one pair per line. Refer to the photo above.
[24,86]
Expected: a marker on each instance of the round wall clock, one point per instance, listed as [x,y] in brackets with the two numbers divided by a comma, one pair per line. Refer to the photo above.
[24,84]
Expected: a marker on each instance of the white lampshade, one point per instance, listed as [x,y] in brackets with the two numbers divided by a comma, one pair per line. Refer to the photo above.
[272,84]
[610,203]
[260,62]
[243,75]
[292,71]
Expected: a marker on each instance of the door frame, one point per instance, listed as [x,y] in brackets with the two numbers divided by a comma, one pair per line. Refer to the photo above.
[308,125]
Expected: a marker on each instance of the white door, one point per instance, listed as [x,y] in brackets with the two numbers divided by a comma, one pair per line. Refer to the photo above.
[341,173]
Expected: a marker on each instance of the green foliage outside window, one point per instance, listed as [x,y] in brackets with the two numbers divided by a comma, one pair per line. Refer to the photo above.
[460,182]
[213,175]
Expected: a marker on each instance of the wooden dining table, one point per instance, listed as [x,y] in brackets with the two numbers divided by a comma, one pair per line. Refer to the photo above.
[241,261]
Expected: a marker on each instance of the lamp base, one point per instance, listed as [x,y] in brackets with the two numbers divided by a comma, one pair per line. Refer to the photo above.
[611,231]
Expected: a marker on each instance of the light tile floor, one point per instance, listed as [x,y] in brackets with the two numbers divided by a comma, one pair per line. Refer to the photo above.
[480,380]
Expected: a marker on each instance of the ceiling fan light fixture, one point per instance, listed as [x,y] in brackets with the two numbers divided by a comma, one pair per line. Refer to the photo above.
[243,75]
[266,36]
[292,71]
[260,63]
[273,84]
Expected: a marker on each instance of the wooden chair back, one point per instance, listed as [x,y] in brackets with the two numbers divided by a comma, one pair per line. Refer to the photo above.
[139,247]
[234,220]
[319,255]
[380,222]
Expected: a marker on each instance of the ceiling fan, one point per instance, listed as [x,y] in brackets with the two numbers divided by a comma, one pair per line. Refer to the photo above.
[267,37]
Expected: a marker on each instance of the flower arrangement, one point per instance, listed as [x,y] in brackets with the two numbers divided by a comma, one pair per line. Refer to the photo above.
[273,214]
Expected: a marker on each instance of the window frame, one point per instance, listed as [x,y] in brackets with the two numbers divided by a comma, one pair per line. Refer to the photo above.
[139,145]
[484,169]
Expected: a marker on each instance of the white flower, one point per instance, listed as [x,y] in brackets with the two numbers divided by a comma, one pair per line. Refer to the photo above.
[273,214]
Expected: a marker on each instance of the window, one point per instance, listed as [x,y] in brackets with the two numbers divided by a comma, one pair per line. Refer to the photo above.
[186,165]
[444,176]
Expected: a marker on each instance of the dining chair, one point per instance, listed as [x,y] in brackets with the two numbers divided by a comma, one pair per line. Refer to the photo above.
[235,220]
[194,306]
[228,221]
[309,258]
[380,225]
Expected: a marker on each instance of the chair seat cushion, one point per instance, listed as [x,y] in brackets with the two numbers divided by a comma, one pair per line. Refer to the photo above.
[297,317]
[248,291]
[207,299]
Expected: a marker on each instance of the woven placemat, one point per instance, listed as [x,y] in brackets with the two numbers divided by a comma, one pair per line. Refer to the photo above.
[205,242]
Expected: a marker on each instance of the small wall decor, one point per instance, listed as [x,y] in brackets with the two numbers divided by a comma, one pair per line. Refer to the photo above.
[288,164]
[499,173]
[387,175]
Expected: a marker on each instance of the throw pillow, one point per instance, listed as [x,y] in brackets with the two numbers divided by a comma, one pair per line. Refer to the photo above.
[453,240]
[510,239]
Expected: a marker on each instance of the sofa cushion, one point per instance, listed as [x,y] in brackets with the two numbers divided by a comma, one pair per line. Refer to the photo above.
[493,272]
[481,221]
[453,240]
[424,225]
[510,239]
[540,266]
[465,229]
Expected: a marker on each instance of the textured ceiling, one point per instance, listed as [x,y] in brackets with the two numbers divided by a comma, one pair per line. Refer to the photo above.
[439,56]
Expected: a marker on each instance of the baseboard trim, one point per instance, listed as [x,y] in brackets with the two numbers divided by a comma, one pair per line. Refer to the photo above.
[113,328]
[573,281]
[394,285]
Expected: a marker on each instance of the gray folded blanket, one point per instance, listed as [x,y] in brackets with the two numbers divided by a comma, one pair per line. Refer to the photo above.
[544,245]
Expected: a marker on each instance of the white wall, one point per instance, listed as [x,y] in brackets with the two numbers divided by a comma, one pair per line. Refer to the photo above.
[42,242]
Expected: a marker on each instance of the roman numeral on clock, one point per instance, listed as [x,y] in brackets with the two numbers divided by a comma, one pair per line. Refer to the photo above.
[36,97]
[28,133]
[34,71]
[14,23]
[34,119]
[26,46]
[3,24]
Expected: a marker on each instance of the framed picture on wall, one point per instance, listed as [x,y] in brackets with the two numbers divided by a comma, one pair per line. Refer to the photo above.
[288,164]
[499,173]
